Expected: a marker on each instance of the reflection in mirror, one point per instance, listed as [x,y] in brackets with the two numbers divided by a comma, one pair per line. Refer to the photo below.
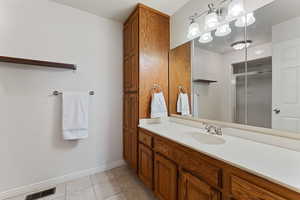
[253,80]
[250,75]
[273,84]
[214,96]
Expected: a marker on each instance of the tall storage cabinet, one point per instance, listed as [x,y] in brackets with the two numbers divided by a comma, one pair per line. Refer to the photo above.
[146,62]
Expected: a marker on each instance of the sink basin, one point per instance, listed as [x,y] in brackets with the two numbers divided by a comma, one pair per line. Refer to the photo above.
[208,139]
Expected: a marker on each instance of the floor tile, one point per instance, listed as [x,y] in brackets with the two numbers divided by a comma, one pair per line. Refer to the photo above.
[117,197]
[121,171]
[138,194]
[78,185]
[105,190]
[129,182]
[117,184]
[102,177]
[86,194]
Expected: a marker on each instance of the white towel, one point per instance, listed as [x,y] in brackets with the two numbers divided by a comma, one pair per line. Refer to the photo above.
[75,116]
[158,106]
[183,105]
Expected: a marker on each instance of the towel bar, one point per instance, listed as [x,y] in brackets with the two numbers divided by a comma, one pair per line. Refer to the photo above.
[56,93]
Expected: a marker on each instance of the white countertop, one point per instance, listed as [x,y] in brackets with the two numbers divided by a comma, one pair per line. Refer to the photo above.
[279,165]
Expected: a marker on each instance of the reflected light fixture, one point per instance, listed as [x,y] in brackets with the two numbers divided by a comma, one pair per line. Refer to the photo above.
[206,38]
[245,20]
[223,30]
[194,30]
[211,19]
[240,45]
[236,8]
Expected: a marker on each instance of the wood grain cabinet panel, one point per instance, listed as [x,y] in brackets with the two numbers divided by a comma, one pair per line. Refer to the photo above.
[145,62]
[146,165]
[192,188]
[244,190]
[165,174]
[188,160]
[131,73]
[130,135]
[145,138]
[135,34]
[180,69]
[126,145]
[127,39]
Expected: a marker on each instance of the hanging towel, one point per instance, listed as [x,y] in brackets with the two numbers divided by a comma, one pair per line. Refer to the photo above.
[75,116]
[158,106]
[183,105]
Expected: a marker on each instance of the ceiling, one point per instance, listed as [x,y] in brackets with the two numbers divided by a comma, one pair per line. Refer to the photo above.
[119,10]
[260,32]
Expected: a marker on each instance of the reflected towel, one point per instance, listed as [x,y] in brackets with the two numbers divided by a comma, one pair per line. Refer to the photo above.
[183,105]
[158,106]
[75,116]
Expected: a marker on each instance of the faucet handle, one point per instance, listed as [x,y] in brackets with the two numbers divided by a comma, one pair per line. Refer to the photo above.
[219,131]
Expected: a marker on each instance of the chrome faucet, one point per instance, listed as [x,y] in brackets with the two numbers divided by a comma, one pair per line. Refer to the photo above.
[214,130]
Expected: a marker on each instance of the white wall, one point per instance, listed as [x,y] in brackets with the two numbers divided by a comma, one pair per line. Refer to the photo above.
[31,145]
[285,31]
[180,20]
[208,65]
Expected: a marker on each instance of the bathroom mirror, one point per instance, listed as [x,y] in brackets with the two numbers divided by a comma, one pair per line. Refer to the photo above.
[252,75]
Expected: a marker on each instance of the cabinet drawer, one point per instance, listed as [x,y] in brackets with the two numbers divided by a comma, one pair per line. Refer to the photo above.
[145,138]
[244,190]
[191,162]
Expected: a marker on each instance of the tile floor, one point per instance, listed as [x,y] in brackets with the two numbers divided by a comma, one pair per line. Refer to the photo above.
[116,184]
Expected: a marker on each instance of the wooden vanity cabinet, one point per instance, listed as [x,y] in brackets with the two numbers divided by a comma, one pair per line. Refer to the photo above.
[244,190]
[146,33]
[192,188]
[146,165]
[165,178]
[176,172]
[130,144]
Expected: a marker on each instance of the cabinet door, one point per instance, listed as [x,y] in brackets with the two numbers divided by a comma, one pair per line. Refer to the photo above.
[131,73]
[165,174]
[243,190]
[127,39]
[130,123]
[192,188]
[146,165]
[135,34]
[126,145]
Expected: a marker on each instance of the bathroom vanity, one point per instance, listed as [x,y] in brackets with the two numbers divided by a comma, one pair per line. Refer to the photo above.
[179,161]
[176,158]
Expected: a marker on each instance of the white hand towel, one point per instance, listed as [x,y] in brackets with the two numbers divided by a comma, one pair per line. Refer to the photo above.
[183,105]
[75,116]
[158,106]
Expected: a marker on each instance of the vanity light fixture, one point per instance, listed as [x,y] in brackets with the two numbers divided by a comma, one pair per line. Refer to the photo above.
[241,45]
[211,19]
[194,29]
[206,38]
[223,30]
[245,20]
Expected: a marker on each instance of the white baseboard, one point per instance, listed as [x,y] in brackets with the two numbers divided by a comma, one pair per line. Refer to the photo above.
[58,180]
